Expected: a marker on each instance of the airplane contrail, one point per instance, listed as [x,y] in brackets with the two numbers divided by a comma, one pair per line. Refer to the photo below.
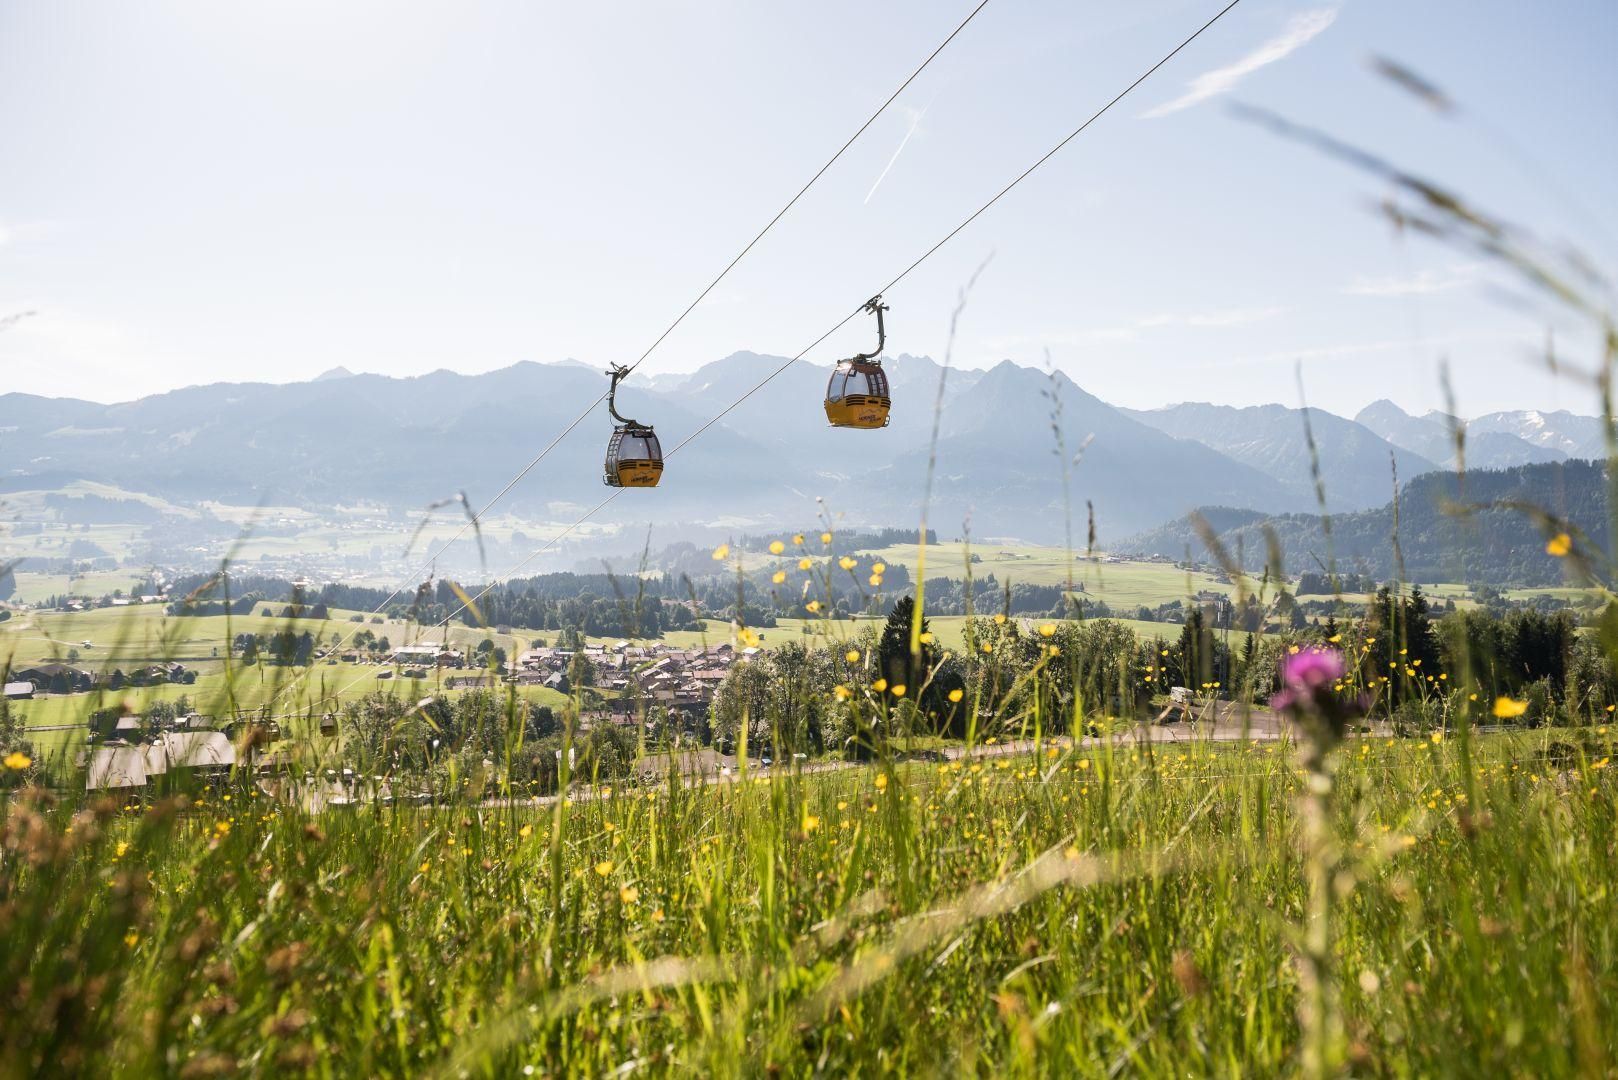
[914,124]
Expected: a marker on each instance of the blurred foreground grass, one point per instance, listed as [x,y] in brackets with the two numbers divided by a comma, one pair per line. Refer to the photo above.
[1071,912]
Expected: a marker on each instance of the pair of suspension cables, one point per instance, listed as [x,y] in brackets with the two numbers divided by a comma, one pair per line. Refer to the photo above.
[476,517]
[470,602]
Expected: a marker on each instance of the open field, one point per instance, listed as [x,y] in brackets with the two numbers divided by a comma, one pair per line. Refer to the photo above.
[254,686]
[35,588]
[1122,584]
[133,634]
[1092,912]
[145,632]
[1126,584]
[129,637]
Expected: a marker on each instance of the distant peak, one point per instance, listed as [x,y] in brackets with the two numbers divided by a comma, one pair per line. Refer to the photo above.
[1380,407]
[338,372]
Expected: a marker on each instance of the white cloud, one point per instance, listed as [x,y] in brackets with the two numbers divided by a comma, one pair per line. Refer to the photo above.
[1421,283]
[1299,32]
[1210,319]
[1413,345]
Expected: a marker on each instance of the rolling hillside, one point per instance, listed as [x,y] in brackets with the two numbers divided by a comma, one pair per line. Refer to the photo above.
[1494,543]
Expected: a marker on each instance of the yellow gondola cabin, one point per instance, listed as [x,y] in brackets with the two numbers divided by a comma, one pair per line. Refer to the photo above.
[857,394]
[634,457]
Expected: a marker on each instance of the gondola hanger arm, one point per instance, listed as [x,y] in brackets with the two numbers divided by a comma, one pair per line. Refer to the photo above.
[617,373]
[876,307]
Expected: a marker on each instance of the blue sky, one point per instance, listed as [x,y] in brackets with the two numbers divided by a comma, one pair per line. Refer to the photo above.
[193,192]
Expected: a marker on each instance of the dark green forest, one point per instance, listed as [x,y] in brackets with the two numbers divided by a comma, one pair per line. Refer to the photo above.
[1481,527]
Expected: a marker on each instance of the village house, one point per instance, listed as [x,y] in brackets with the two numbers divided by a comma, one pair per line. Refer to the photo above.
[55,678]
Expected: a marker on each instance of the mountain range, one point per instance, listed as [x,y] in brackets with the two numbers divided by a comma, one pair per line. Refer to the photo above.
[371,439]
[1494,441]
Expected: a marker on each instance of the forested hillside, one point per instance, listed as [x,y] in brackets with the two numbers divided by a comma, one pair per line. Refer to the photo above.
[1478,528]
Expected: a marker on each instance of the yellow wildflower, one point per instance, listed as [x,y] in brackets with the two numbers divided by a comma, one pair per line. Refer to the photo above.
[526,831]
[604,867]
[17,760]
[882,781]
[1559,545]
[779,576]
[1509,708]
[899,690]
[848,563]
[957,694]
[805,563]
[812,606]
[721,552]
[852,656]
[880,685]
[628,894]
[776,547]
[825,538]
[1048,630]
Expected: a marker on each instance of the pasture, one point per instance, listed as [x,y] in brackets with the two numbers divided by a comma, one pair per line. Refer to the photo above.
[1091,911]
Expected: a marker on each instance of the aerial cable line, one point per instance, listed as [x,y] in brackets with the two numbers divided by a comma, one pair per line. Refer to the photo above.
[847,318]
[477,517]
[880,109]
[779,214]
[1052,152]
